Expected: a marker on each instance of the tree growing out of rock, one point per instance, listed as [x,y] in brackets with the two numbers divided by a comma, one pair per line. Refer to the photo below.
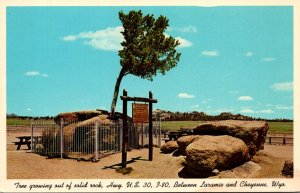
[147,50]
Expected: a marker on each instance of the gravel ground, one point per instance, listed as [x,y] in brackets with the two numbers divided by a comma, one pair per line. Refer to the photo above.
[25,165]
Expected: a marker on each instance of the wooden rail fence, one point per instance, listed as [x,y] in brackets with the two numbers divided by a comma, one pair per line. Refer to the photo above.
[280,139]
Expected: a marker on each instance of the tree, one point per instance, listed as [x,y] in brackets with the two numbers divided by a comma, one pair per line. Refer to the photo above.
[147,50]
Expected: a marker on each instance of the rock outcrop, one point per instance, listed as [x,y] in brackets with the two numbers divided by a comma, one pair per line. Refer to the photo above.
[247,170]
[169,147]
[288,169]
[184,141]
[73,117]
[207,153]
[253,133]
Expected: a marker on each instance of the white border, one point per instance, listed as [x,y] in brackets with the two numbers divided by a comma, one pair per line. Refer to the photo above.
[292,184]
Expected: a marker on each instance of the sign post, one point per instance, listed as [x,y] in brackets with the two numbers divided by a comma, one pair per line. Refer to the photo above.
[140,114]
[125,131]
[150,129]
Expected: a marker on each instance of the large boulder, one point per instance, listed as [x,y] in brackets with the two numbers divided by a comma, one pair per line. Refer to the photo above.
[215,152]
[253,133]
[247,170]
[184,141]
[79,136]
[169,147]
[73,117]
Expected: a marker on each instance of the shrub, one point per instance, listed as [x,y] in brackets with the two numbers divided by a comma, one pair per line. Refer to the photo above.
[124,171]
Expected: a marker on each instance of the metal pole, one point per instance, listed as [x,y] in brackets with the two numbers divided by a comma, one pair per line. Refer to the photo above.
[61,138]
[125,132]
[142,135]
[150,128]
[96,141]
[159,135]
[31,137]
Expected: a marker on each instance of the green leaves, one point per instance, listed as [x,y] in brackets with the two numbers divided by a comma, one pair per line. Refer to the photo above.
[146,49]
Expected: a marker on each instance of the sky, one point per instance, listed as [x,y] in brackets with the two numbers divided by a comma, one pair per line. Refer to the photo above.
[233,59]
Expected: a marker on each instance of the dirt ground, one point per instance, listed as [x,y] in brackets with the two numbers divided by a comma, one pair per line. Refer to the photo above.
[23,164]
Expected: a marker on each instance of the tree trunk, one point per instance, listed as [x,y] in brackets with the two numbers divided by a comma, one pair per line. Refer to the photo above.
[116,93]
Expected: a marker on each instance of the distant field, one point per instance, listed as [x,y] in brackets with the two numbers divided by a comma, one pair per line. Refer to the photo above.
[175,125]
[18,122]
[281,127]
[275,127]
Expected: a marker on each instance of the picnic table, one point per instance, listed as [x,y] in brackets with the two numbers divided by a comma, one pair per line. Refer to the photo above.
[25,140]
[174,135]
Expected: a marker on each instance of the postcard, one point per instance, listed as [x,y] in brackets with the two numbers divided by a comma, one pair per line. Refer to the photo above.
[193,96]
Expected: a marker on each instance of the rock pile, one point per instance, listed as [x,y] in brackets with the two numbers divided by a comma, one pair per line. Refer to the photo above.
[169,147]
[221,145]
[253,133]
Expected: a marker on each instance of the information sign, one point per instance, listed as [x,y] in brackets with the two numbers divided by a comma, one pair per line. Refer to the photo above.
[140,113]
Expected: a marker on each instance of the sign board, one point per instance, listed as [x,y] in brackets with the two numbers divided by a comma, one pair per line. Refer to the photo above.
[140,113]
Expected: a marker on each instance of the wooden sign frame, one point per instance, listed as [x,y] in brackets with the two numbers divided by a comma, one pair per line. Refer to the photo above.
[150,101]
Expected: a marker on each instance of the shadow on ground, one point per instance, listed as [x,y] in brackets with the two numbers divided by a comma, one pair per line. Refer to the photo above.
[115,166]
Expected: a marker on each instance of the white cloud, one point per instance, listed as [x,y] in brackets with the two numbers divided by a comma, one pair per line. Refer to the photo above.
[188,29]
[210,53]
[268,59]
[107,39]
[169,28]
[267,111]
[35,73]
[110,39]
[185,96]
[32,73]
[250,110]
[246,111]
[245,98]
[280,107]
[282,86]
[28,109]
[249,54]
[184,43]
[70,38]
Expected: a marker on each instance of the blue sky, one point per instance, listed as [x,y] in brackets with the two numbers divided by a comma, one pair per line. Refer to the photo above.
[234,59]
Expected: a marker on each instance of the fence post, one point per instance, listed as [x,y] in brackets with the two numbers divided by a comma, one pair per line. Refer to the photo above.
[142,135]
[31,137]
[159,134]
[96,140]
[61,138]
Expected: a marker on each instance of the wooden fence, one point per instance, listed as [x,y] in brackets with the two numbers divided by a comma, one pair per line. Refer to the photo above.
[280,138]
